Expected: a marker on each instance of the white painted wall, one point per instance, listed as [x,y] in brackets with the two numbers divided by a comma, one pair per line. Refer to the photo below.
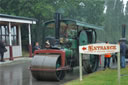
[6,54]
[17,51]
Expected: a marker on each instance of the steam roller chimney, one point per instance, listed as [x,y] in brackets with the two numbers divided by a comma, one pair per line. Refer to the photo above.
[57,25]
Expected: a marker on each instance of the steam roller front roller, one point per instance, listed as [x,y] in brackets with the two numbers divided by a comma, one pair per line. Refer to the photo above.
[44,67]
[90,62]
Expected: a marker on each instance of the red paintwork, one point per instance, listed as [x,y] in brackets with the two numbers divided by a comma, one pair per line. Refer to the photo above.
[84,48]
[61,52]
[11,53]
[30,51]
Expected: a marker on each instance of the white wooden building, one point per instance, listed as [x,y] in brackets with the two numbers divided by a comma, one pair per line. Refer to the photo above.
[10,33]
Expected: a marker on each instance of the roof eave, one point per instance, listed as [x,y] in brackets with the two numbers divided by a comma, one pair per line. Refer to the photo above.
[17,19]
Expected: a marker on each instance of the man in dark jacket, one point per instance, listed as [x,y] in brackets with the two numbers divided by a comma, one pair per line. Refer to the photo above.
[2,50]
[123,52]
[36,47]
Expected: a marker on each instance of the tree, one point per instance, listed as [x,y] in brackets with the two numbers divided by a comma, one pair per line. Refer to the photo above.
[113,20]
[90,11]
[126,19]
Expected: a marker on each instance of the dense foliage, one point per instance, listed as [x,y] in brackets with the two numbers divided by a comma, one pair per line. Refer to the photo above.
[113,20]
[90,11]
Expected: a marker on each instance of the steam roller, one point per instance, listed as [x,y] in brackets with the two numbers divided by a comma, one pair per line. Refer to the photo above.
[61,53]
[50,65]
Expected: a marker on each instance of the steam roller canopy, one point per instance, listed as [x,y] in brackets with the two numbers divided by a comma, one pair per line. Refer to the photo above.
[44,62]
[90,62]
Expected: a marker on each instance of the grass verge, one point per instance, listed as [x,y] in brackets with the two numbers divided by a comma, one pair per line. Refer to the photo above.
[107,77]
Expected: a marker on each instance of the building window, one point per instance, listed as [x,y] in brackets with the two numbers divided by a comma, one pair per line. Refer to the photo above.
[14,34]
[4,34]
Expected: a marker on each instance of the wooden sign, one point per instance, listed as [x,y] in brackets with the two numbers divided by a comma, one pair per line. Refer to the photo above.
[99,48]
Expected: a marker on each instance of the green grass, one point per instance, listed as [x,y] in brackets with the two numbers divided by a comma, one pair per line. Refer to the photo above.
[107,77]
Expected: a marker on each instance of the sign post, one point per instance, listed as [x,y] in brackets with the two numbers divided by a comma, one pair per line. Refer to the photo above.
[80,64]
[118,67]
[99,49]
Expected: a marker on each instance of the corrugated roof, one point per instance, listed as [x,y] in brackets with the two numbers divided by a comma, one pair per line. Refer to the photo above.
[17,17]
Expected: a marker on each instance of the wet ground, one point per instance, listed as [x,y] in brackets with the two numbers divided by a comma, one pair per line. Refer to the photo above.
[18,73]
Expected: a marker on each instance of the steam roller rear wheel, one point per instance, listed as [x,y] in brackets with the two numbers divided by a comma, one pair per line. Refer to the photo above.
[45,62]
[90,62]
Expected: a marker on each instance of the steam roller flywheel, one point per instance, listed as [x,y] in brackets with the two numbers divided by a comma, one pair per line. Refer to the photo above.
[90,62]
[45,67]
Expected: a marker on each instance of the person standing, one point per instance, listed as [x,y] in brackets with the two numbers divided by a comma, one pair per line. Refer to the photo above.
[107,59]
[123,52]
[2,50]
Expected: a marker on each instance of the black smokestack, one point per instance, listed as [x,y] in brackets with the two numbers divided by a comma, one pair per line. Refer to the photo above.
[57,25]
[123,30]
